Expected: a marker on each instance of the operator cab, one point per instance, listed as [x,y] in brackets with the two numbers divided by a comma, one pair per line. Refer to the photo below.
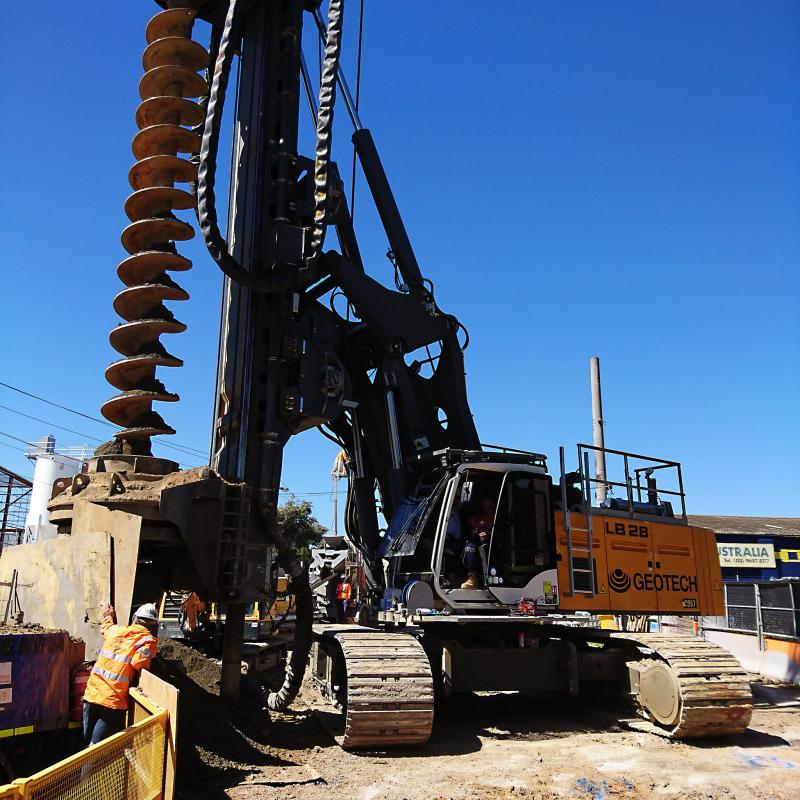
[488,523]
[506,529]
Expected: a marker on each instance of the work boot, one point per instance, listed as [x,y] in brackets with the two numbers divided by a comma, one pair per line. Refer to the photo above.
[472,581]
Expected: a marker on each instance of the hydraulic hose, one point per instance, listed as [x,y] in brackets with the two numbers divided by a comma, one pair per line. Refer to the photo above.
[295,669]
[207,165]
[304,613]
[327,98]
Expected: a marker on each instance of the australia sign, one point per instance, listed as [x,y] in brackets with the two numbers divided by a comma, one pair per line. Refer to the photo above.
[759,556]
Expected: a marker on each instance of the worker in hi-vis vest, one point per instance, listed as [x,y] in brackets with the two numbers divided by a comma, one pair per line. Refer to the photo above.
[126,651]
[343,593]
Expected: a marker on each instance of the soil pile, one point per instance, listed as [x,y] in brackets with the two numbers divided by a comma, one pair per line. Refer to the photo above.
[220,742]
[26,627]
[203,671]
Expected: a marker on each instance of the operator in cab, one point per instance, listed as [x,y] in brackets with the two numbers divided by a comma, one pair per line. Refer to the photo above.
[474,554]
[126,651]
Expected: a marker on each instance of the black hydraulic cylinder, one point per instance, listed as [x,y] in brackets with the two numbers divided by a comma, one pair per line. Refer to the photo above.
[364,495]
[387,208]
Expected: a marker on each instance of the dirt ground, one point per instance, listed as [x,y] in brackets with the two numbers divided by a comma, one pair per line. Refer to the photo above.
[487,747]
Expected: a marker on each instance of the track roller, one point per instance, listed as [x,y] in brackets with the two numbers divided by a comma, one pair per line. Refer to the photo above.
[686,687]
[382,682]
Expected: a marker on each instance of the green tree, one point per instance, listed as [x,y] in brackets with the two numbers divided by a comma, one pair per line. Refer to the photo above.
[299,527]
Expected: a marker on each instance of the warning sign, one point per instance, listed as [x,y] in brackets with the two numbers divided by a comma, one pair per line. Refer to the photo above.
[717,587]
[602,589]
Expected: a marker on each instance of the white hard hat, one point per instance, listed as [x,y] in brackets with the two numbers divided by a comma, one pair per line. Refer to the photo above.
[147,611]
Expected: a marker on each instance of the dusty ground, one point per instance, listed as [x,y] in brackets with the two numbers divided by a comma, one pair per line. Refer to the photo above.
[487,747]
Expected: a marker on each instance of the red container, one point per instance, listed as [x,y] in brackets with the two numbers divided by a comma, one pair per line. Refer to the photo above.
[79,680]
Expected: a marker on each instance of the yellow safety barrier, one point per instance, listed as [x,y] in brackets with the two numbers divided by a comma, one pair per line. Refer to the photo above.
[126,766]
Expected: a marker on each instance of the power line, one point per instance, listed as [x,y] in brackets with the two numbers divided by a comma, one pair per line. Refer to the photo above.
[51,424]
[63,408]
[184,448]
[61,427]
[14,447]
[17,439]
[36,446]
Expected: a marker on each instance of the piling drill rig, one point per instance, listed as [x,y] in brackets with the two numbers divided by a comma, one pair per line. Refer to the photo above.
[386,381]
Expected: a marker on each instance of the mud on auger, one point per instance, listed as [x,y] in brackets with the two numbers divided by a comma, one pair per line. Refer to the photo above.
[168,112]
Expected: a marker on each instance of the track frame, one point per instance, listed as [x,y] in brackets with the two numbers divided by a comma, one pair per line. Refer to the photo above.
[383,681]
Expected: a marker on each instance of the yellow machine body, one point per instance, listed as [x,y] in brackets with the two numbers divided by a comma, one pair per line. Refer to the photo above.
[641,566]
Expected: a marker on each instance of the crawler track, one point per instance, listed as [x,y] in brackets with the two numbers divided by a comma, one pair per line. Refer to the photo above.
[713,692]
[388,696]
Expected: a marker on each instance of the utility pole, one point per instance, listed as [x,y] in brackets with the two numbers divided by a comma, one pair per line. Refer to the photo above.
[601,487]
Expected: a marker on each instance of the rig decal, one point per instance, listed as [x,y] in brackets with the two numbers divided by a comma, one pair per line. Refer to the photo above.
[621,582]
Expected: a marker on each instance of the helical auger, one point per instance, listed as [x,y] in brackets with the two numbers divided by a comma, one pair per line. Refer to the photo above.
[168,89]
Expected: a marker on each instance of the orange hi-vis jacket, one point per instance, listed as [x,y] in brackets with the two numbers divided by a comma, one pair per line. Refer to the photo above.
[127,649]
[343,591]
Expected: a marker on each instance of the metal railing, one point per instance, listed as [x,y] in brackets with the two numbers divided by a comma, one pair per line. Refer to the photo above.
[630,487]
[130,764]
[503,449]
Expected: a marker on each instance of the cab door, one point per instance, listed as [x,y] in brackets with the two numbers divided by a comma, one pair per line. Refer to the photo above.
[489,550]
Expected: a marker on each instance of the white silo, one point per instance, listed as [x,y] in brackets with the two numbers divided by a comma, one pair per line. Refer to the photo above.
[50,466]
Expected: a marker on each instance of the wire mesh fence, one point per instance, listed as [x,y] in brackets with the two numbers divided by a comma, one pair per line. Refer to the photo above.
[129,766]
[766,609]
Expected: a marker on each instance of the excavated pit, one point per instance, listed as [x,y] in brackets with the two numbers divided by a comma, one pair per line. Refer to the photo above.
[220,741]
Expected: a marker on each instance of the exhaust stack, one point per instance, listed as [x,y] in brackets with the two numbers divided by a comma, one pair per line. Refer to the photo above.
[601,488]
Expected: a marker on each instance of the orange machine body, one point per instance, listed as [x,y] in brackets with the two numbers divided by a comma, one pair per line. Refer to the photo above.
[642,566]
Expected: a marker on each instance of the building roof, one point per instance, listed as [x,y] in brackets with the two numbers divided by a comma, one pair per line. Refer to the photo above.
[749,526]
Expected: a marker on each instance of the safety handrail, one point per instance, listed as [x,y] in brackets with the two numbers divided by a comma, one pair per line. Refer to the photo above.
[653,465]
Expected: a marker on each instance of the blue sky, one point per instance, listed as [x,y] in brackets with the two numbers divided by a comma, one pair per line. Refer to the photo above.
[618,179]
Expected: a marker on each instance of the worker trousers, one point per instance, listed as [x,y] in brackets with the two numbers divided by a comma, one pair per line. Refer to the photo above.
[100,722]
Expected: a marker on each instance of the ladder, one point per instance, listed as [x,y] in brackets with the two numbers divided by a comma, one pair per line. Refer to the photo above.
[233,540]
[578,576]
